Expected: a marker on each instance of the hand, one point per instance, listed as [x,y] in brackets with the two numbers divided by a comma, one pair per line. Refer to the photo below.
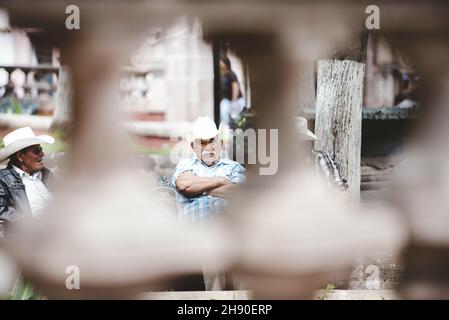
[222,181]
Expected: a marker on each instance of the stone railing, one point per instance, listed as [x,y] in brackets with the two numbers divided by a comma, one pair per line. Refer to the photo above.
[30,89]
[27,89]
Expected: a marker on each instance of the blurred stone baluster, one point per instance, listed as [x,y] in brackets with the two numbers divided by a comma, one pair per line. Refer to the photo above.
[101,221]
[297,237]
[422,184]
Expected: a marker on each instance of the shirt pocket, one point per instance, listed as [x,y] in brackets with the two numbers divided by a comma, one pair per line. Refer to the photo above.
[15,185]
[228,173]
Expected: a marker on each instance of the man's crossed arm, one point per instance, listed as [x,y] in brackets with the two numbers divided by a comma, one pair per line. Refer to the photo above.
[193,186]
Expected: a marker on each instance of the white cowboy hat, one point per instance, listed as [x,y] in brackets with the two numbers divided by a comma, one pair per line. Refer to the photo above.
[20,139]
[203,128]
[301,129]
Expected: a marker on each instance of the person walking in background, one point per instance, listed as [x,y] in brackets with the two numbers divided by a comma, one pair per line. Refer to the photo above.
[232,101]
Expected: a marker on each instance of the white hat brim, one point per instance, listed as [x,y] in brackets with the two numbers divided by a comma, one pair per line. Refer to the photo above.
[192,138]
[23,143]
[308,135]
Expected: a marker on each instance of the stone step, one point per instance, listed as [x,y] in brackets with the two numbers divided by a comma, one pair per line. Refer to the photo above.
[246,295]
[373,271]
[359,295]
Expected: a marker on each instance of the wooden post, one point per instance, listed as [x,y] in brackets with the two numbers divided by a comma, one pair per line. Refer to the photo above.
[338,124]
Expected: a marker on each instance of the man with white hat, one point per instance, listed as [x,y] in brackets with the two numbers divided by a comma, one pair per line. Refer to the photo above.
[204,181]
[24,182]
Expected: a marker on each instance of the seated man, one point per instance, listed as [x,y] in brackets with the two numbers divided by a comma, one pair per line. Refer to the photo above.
[24,182]
[325,167]
[204,181]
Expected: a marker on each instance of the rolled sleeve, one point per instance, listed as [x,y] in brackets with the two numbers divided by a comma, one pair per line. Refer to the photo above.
[184,165]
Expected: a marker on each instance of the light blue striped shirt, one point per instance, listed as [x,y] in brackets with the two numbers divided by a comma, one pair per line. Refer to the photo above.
[200,207]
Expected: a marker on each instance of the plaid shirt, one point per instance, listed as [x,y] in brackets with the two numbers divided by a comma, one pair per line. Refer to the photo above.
[196,208]
[328,169]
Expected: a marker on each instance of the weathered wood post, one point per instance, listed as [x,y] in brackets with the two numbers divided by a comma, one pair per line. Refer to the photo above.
[338,123]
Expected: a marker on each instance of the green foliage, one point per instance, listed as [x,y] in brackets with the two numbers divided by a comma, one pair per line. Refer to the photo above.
[15,107]
[244,121]
[23,290]
[58,146]
[325,291]
[60,134]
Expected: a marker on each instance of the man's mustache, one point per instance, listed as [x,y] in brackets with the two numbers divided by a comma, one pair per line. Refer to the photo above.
[208,153]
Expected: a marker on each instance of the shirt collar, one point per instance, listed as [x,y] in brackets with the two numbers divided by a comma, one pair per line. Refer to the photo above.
[22,173]
[198,160]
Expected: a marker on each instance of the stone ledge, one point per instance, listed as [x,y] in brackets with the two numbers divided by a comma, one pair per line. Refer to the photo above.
[163,129]
[360,295]
[246,295]
[197,295]
[14,121]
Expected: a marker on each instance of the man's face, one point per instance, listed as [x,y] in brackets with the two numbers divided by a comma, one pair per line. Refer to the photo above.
[30,158]
[223,68]
[208,150]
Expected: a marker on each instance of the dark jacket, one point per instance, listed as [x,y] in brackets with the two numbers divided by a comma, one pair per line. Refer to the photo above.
[13,198]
